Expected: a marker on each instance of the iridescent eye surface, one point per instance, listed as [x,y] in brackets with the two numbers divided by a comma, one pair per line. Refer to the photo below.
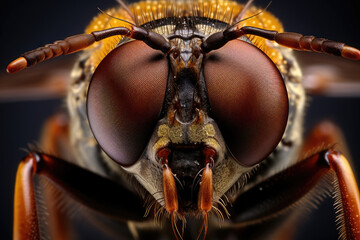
[125,97]
[248,100]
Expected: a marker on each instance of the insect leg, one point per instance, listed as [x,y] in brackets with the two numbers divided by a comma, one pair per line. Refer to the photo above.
[291,40]
[347,195]
[324,136]
[55,140]
[93,191]
[26,224]
[81,41]
[275,195]
[55,136]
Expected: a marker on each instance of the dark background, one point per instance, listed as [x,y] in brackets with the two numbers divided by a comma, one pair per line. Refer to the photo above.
[26,25]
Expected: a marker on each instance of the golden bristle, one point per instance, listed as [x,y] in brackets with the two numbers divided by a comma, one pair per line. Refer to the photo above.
[147,11]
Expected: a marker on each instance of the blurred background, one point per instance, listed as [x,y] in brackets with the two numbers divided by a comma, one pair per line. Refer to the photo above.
[26,25]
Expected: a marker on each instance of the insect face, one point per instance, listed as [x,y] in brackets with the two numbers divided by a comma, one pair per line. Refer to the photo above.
[217,101]
[177,104]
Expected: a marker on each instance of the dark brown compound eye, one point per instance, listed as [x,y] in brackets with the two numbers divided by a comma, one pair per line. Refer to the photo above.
[248,98]
[124,101]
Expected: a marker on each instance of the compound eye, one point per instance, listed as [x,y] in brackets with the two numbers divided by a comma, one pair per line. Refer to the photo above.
[248,100]
[124,101]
